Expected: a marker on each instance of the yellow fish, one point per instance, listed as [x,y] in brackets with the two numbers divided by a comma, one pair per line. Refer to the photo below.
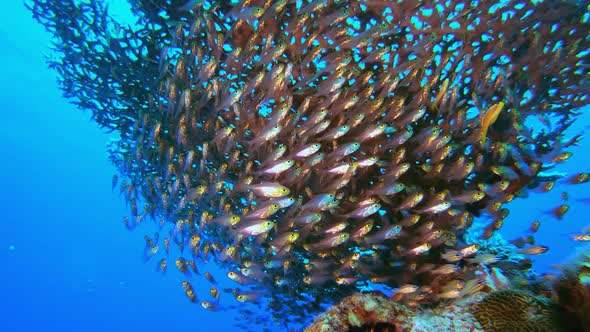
[488,119]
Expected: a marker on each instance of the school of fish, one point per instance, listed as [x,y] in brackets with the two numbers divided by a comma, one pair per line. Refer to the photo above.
[311,148]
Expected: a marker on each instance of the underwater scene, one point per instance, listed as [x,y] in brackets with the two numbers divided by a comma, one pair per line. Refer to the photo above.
[295,165]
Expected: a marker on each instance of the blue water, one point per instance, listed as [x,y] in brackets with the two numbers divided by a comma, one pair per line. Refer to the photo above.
[67,263]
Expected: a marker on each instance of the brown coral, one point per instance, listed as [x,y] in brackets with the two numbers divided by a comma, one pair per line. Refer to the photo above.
[364,312]
[513,310]
[573,298]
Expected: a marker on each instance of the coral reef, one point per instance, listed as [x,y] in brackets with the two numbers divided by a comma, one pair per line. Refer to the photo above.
[363,312]
[393,316]
[452,316]
[507,310]
[515,310]
[565,308]
[313,147]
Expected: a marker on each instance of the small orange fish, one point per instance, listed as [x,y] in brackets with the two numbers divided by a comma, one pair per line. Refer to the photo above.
[182,265]
[451,256]
[561,157]
[559,211]
[529,239]
[329,242]
[193,266]
[579,178]
[484,258]
[209,306]
[214,293]
[469,250]
[518,242]
[445,269]
[194,242]
[472,286]
[270,190]
[545,187]
[209,277]
[189,291]
[407,289]
[149,252]
[239,278]
[421,249]
[581,237]
[533,250]
[443,90]
[535,226]
[248,296]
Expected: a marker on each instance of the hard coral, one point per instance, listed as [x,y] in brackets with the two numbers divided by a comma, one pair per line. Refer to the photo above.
[506,311]
[449,316]
[364,312]
[377,313]
[514,310]
[511,310]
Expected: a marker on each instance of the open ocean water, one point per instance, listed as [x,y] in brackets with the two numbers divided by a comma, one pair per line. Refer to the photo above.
[67,263]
